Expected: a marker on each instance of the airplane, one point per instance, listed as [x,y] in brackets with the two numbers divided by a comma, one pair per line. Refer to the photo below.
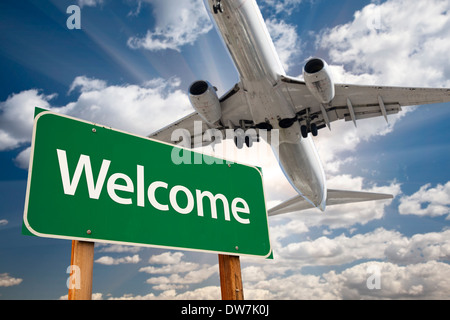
[266,98]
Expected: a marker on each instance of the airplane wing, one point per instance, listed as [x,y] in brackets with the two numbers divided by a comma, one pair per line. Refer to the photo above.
[234,110]
[355,102]
[334,197]
[351,103]
[165,134]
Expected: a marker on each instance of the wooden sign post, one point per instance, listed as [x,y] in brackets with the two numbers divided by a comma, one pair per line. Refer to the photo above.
[230,277]
[82,265]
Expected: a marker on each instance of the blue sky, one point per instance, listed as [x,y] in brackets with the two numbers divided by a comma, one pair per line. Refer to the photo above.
[130,66]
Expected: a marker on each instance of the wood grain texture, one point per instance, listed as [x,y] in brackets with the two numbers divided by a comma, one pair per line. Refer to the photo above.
[230,278]
[83,258]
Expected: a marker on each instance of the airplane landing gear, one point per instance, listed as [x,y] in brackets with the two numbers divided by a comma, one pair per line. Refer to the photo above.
[312,128]
[218,7]
[241,137]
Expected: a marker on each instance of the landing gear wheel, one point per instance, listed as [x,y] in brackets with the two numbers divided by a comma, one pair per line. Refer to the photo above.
[239,142]
[314,130]
[304,130]
[248,141]
[218,8]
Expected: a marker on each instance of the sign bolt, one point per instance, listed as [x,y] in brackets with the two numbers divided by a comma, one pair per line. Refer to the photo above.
[89,232]
[237,248]
[94,130]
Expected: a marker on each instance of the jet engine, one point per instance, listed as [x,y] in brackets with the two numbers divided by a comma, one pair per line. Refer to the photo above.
[318,80]
[205,101]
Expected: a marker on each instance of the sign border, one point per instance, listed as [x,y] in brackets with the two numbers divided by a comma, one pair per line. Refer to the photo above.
[39,112]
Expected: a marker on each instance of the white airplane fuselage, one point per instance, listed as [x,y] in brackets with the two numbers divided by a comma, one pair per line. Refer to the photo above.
[245,34]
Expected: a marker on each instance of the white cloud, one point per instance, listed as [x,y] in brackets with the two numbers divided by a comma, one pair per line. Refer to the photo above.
[23,159]
[347,215]
[180,274]
[359,54]
[379,244]
[427,201]
[192,277]
[283,6]
[410,271]
[166,258]
[344,138]
[253,274]
[89,3]
[16,117]
[404,38]
[180,267]
[132,108]
[405,258]
[95,296]
[205,293]
[428,280]
[106,260]
[339,250]
[420,248]
[7,281]
[417,281]
[178,23]
[117,248]
[286,41]
[87,84]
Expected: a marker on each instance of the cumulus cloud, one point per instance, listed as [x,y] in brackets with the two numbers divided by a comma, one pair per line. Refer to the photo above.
[381,45]
[420,248]
[379,244]
[23,159]
[178,23]
[427,201]
[180,274]
[95,296]
[286,41]
[16,117]
[171,268]
[204,293]
[282,6]
[396,258]
[107,260]
[361,52]
[139,109]
[7,281]
[428,280]
[117,248]
[89,3]
[346,215]
[87,84]
[386,41]
[166,258]
[192,277]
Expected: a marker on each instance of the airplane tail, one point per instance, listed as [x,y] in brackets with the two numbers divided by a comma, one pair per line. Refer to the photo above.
[334,197]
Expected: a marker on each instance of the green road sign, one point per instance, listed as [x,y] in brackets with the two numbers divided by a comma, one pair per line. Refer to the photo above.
[93,183]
